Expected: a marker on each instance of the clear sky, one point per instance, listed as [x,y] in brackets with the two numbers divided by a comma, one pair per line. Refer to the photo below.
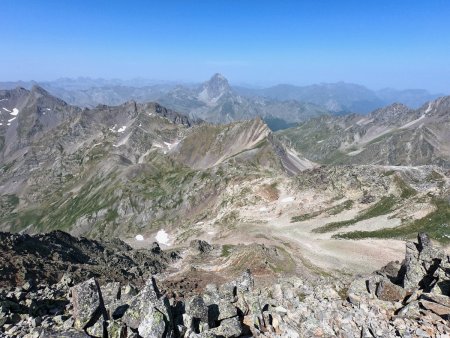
[377,43]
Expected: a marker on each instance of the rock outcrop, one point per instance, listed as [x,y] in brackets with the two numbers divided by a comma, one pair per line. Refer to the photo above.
[44,258]
[400,300]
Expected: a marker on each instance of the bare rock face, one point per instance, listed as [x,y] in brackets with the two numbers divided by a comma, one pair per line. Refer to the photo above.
[422,261]
[419,290]
[87,303]
[201,247]
[153,324]
[46,257]
[146,303]
[388,291]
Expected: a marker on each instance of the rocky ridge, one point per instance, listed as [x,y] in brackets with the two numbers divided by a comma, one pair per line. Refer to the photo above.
[393,135]
[137,165]
[408,299]
[46,258]
[217,102]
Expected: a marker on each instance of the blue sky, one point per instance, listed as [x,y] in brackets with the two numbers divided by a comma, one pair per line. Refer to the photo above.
[377,43]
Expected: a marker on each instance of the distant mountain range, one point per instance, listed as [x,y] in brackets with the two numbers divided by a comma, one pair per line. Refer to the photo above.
[83,169]
[343,97]
[140,168]
[394,135]
[216,101]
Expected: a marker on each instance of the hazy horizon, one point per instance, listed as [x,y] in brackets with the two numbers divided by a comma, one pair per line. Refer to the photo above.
[247,84]
[381,44]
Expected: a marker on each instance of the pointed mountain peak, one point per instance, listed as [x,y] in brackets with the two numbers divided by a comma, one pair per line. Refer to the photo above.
[43,98]
[439,106]
[36,89]
[214,88]
[392,111]
[218,78]
[218,82]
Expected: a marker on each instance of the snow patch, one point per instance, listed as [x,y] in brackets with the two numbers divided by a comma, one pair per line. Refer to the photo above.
[263,209]
[162,237]
[48,109]
[15,112]
[320,141]
[157,145]
[210,232]
[139,237]
[5,109]
[3,100]
[199,223]
[1,124]
[10,120]
[122,129]
[113,129]
[287,199]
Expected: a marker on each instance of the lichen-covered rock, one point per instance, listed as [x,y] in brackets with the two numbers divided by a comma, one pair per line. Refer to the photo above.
[245,283]
[196,308]
[116,329]
[226,310]
[97,330]
[228,291]
[153,325]
[146,309]
[228,328]
[86,303]
[211,294]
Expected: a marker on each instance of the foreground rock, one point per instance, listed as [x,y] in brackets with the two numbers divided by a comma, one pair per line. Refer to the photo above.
[44,258]
[400,300]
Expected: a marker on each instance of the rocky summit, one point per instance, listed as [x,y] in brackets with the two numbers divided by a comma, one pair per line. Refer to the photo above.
[402,299]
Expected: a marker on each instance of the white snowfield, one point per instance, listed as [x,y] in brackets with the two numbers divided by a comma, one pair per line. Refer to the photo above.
[162,237]
[139,237]
[15,112]
[10,120]
[122,129]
